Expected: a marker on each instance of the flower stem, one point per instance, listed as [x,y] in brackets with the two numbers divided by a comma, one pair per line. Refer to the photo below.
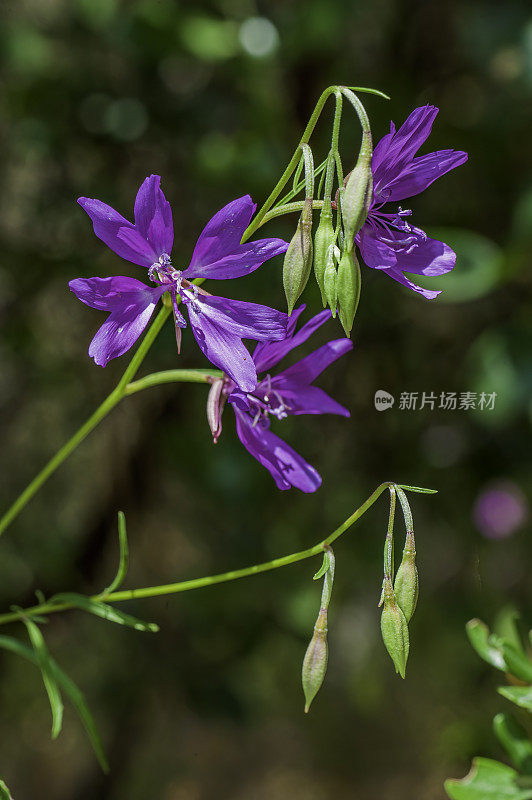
[123,389]
[209,580]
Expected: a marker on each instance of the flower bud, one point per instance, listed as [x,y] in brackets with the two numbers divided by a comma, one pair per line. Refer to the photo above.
[315,661]
[298,257]
[406,586]
[215,404]
[358,192]
[348,285]
[394,628]
[324,239]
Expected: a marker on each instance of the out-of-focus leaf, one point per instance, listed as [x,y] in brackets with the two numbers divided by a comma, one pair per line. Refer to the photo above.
[488,780]
[506,626]
[517,663]
[4,792]
[479,636]
[515,741]
[70,689]
[520,695]
[478,270]
[52,689]
[104,611]
[124,555]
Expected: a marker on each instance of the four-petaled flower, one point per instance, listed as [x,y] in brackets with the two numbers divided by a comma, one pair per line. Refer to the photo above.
[219,324]
[287,392]
[387,241]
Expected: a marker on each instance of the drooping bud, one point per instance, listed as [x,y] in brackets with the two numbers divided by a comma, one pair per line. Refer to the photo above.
[406,586]
[348,286]
[394,629]
[324,239]
[215,404]
[358,192]
[298,258]
[315,661]
[330,281]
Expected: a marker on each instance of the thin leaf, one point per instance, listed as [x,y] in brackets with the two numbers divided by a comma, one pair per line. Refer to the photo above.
[70,689]
[488,780]
[368,91]
[418,489]
[104,611]
[4,792]
[52,689]
[324,567]
[479,636]
[506,626]
[515,741]
[518,663]
[520,695]
[124,555]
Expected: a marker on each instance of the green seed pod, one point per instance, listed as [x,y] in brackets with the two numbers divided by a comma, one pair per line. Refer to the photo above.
[357,195]
[330,280]
[348,283]
[406,586]
[298,257]
[315,661]
[394,628]
[324,238]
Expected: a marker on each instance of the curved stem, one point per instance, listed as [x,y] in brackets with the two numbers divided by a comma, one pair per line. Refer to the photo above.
[290,208]
[173,376]
[209,580]
[259,218]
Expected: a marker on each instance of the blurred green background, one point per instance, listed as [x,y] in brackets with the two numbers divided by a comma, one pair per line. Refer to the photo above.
[96,94]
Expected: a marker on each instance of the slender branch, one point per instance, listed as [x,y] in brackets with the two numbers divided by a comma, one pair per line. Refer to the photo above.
[210,580]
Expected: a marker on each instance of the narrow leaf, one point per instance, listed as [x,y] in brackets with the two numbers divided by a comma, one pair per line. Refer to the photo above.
[515,741]
[104,611]
[70,689]
[518,663]
[324,567]
[124,555]
[488,780]
[418,489]
[520,695]
[479,636]
[52,689]
[4,792]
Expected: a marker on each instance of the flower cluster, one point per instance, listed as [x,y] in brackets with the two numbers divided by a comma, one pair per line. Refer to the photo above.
[387,240]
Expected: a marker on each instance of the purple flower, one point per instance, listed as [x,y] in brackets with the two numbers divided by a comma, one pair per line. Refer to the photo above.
[218,324]
[387,241]
[289,392]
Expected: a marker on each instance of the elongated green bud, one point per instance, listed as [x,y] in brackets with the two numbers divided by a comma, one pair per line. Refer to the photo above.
[324,239]
[330,280]
[315,661]
[298,257]
[358,192]
[406,586]
[394,629]
[348,284]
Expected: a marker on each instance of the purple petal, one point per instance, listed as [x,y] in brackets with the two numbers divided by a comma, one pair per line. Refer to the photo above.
[153,216]
[223,348]
[400,147]
[117,233]
[286,466]
[421,172]
[221,236]
[268,354]
[307,370]
[246,320]
[303,399]
[420,254]
[131,304]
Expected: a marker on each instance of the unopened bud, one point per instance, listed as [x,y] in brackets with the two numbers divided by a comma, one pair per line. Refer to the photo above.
[348,284]
[215,403]
[315,661]
[358,192]
[324,239]
[406,586]
[394,628]
[298,258]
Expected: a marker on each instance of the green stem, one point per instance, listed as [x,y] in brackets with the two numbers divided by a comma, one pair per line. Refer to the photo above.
[210,580]
[173,376]
[257,221]
[289,208]
[334,154]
